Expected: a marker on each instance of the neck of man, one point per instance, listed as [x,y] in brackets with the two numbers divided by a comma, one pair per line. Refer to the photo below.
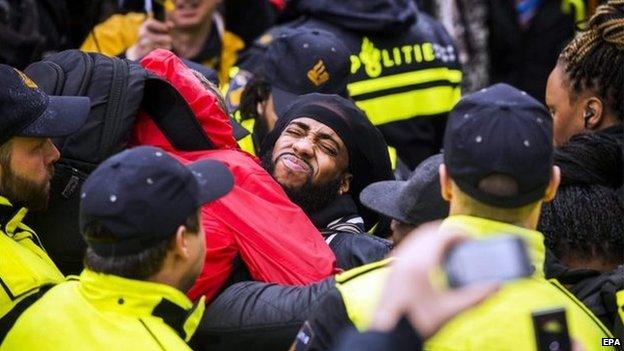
[528,221]
[170,274]
[596,264]
[189,42]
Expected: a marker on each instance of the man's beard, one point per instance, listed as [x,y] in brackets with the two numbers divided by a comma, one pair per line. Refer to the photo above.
[23,192]
[310,197]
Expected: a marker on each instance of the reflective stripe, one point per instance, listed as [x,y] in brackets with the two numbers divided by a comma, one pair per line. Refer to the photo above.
[402,106]
[246,144]
[403,79]
[619,298]
[581,306]
[393,157]
[580,13]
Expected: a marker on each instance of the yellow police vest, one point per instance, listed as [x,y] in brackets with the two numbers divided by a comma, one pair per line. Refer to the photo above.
[406,103]
[24,266]
[106,312]
[503,322]
[620,303]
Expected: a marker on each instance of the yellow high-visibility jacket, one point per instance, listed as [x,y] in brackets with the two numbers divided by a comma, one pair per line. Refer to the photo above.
[25,268]
[502,322]
[106,312]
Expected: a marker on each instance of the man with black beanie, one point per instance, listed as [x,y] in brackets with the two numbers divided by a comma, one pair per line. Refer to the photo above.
[324,151]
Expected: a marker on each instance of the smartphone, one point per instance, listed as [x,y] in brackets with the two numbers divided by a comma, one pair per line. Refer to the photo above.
[497,259]
[551,330]
[156,8]
[159,10]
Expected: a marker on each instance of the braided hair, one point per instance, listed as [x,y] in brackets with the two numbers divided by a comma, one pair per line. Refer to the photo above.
[595,58]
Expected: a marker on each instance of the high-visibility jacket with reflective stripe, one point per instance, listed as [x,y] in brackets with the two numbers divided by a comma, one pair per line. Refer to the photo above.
[620,304]
[405,83]
[107,312]
[25,267]
[502,322]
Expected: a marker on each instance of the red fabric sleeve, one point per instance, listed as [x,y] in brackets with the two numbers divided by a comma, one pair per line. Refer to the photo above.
[279,4]
[220,252]
[203,103]
[275,238]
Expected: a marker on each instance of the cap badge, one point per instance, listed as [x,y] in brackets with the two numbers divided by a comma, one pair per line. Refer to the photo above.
[266,39]
[318,74]
[27,81]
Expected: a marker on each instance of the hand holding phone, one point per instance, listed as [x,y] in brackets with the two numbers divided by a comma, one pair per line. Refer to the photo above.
[409,290]
[154,33]
[497,259]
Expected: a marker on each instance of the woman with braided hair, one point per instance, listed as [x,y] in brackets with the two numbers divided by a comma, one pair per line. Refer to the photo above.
[585,91]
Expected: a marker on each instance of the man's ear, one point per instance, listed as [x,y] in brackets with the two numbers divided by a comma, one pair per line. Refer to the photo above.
[594,113]
[261,108]
[181,246]
[553,185]
[445,183]
[345,183]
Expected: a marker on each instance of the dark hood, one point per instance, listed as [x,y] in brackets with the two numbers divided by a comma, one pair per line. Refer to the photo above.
[388,16]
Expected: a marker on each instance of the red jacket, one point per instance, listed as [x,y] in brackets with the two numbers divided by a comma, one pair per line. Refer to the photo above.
[256,220]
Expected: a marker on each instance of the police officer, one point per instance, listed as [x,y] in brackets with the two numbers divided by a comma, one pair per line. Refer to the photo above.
[405,73]
[29,117]
[296,62]
[497,171]
[140,216]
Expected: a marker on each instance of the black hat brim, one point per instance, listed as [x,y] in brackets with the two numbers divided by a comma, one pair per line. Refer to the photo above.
[382,197]
[63,116]
[214,179]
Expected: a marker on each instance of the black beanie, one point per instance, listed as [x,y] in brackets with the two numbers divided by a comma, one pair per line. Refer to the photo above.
[368,153]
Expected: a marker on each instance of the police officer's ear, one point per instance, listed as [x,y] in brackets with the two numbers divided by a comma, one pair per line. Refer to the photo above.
[180,245]
[445,184]
[553,185]
[345,183]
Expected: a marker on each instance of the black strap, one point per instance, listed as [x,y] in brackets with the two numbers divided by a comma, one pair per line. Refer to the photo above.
[174,117]
[173,315]
[8,320]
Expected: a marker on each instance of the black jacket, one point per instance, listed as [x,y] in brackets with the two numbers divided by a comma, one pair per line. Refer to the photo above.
[402,338]
[343,230]
[411,114]
[594,289]
[525,58]
[268,316]
[264,315]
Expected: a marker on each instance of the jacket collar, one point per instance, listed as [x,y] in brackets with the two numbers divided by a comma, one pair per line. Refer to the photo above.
[481,228]
[11,218]
[142,299]
[342,207]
